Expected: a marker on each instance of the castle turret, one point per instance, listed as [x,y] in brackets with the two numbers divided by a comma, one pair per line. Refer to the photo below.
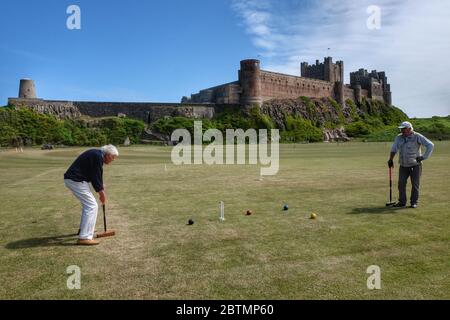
[387,95]
[339,92]
[27,89]
[250,82]
[358,95]
[340,71]
[328,70]
[304,69]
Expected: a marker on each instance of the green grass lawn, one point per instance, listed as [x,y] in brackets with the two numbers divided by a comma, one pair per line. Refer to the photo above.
[269,255]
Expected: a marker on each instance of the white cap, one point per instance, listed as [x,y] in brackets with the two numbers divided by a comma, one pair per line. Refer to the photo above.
[405,125]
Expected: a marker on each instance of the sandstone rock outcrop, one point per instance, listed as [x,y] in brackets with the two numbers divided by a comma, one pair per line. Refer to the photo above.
[335,135]
[319,111]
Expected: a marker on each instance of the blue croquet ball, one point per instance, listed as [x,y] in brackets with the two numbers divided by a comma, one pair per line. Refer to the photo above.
[285,207]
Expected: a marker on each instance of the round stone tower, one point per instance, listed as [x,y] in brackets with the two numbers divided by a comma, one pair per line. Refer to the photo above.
[250,81]
[27,89]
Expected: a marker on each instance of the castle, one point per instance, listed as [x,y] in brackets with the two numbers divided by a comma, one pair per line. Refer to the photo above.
[254,86]
[320,80]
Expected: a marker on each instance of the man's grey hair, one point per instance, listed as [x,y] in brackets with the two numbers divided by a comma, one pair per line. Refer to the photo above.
[111,150]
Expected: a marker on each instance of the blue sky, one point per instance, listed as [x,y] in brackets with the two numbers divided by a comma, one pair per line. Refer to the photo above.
[139,50]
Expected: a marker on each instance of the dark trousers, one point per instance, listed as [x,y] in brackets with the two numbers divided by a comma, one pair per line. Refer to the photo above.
[404,173]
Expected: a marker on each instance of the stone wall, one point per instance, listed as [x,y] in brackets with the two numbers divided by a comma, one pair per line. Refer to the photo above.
[226,93]
[364,93]
[147,112]
[280,86]
[59,109]
[349,93]
[272,86]
[376,91]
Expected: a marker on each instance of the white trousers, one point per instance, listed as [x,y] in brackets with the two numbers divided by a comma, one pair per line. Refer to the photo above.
[89,209]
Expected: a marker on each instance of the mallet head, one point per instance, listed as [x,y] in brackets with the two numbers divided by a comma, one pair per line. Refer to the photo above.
[106,234]
[390,204]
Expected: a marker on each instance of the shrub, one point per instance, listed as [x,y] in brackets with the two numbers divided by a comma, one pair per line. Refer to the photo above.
[19,125]
[168,125]
[353,112]
[300,130]
[338,108]
[357,129]
[116,130]
[260,121]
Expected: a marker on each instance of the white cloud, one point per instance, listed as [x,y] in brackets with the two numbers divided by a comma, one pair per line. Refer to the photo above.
[255,15]
[411,45]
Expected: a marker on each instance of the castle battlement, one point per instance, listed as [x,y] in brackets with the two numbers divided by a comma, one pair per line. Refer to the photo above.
[374,82]
[320,80]
[327,71]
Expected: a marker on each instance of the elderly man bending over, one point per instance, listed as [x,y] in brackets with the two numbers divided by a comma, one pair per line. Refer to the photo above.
[88,167]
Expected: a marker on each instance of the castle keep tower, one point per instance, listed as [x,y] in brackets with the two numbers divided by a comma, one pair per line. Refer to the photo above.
[27,89]
[250,81]
[327,71]
[375,83]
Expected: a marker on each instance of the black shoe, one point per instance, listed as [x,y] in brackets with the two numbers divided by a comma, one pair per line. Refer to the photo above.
[399,205]
[414,205]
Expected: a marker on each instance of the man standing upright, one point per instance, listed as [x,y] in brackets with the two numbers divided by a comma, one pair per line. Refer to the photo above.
[88,167]
[408,144]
